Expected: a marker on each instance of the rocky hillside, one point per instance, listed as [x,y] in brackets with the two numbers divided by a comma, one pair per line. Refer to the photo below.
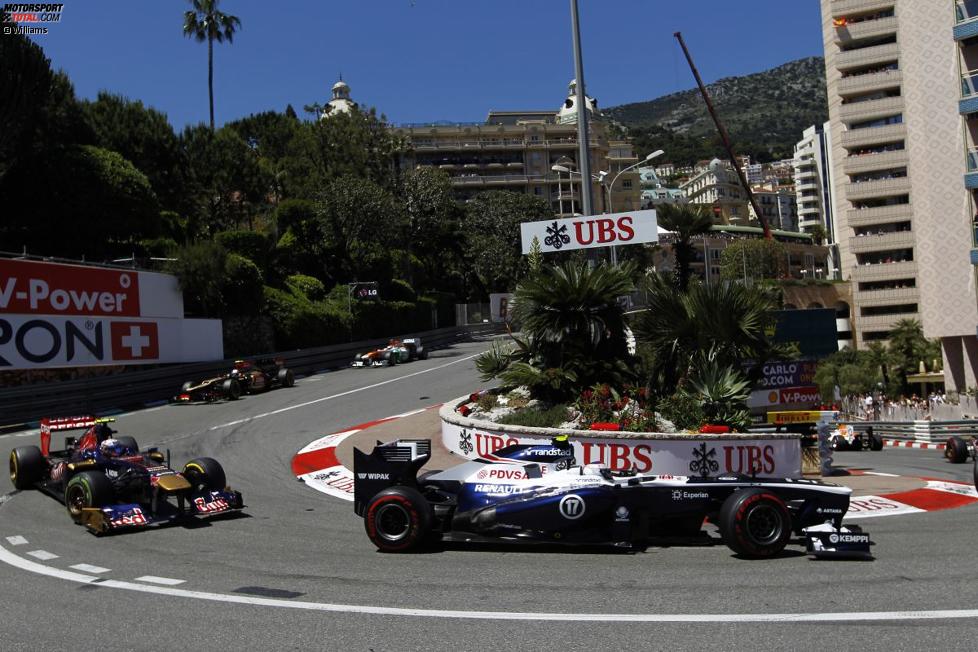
[765,114]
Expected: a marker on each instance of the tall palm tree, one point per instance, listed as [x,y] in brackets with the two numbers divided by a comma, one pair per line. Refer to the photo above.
[685,221]
[205,22]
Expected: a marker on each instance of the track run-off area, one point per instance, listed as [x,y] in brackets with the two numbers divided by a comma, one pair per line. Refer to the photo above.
[296,569]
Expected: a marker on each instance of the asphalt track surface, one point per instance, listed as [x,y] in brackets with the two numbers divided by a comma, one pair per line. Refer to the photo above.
[297,571]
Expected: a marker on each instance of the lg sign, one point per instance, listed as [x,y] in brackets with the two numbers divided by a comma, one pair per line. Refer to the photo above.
[586,232]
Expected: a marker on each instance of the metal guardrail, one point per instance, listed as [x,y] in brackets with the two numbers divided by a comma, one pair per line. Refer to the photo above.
[21,405]
[934,432]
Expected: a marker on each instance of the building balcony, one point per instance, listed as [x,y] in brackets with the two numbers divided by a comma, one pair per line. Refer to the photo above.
[880,188]
[883,322]
[971,165]
[860,244]
[965,19]
[809,171]
[869,82]
[889,297]
[806,184]
[865,29]
[869,136]
[884,272]
[886,53]
[842,8]
[870,109]
[809,210]
[881,161]
[879,215]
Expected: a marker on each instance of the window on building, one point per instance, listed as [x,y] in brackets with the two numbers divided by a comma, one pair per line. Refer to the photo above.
[626,184]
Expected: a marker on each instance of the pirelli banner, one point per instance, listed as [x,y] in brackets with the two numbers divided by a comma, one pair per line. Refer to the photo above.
[586,232]
[57,315]
[769,456]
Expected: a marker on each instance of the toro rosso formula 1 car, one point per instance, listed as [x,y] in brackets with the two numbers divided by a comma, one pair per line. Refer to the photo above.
[251,377]
[395,352]
[537,494]
[108,484]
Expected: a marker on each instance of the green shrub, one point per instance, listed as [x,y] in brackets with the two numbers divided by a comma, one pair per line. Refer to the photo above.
[249,244]
[684,410]
[545,418]
[300,323]
[292,212]
[309,287]
[400,290]
[159,247]
[243,287]
[487,401]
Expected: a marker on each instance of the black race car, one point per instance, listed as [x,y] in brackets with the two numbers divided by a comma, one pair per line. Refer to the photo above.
[957,450]
[537,494]
[247,377]
[107,483]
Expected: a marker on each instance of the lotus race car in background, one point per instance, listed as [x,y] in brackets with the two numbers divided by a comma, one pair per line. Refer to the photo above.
[247,376]
[107,483]
[396,352]
[536,494]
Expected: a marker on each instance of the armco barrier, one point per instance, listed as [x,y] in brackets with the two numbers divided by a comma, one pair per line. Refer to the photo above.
[20,405]
[933,432]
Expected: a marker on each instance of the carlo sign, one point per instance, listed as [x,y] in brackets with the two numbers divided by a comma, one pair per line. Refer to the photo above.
[54,315]
[776,457]
[586,232]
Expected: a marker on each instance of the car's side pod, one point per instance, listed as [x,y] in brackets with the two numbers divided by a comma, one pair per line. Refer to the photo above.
[394,463]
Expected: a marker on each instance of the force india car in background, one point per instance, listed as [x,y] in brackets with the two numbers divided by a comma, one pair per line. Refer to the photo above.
[847,438]
[536,494]
[247,376]
[108,484]
[957,450]
[396,352]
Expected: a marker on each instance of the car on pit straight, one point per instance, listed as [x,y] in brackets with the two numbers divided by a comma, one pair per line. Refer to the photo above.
[108,484]
[957,450]
[247,376]
[396,352]
[847,438]
[537,494]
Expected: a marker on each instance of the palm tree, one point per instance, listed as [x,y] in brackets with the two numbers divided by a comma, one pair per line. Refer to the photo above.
[685,221]
[206,23]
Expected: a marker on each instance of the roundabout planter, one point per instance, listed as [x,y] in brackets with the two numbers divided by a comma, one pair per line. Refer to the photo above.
[707,455]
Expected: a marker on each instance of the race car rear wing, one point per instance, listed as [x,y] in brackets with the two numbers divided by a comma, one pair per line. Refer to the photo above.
[394,463]
[53,424]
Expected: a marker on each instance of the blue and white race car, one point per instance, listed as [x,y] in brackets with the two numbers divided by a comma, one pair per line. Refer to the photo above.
[538,494]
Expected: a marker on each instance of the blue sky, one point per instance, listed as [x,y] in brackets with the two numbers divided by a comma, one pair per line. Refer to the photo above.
[420,60]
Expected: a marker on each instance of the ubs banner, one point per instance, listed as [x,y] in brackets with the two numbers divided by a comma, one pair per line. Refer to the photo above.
[586,232]
[55,315]
[712,457]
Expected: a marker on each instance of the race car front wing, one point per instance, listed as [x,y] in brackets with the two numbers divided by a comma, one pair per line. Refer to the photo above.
[101,520]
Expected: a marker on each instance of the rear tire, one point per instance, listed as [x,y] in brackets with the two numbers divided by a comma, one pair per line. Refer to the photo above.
[205,474]
[956,450]
[755,523]
[976,472]
[87,489]
[26,466]
[232,389]
[398,519]
[875,442]
[285,377]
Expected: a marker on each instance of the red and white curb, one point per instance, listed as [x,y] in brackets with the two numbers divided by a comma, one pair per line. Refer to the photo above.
[901,443]
[937,495]
[316,463]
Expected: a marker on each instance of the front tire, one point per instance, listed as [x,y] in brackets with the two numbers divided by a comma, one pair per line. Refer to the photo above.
[398,519]
[956,450]
[875,442]
[87,489]
[232,389]
[205,473]
[755,523]
[26,466]
[286,377]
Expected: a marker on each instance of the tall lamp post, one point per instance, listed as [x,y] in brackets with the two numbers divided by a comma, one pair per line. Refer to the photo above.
[610,186]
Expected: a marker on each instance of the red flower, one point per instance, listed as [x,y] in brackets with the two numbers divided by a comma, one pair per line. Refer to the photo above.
[714,429]
[464,410]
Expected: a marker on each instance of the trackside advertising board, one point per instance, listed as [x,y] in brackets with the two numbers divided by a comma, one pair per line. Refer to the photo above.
[710,458]
[587,232]
[57,315]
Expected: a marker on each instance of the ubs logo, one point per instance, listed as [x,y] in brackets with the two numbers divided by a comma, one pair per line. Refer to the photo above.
[572,507]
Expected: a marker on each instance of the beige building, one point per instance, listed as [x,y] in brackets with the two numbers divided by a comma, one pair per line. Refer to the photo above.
[898,148]
[717,185]
[519,150]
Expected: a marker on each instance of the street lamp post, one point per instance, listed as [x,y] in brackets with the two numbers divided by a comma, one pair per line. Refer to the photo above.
[608,188]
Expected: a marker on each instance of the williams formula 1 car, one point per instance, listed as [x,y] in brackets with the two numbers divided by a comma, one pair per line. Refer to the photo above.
[108,484]
[536,494]
[395,352]
[247,376]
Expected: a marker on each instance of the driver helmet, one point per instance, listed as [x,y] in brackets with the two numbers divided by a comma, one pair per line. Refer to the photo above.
[112,448]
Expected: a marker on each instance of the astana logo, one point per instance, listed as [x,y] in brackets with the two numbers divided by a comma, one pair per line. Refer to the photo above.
[703,463]
[558,236]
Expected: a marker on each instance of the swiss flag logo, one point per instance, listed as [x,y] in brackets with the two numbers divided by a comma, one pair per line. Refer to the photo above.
[135,340]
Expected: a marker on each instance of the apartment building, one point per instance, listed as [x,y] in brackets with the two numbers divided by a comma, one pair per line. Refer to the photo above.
[896,144]
[717,185]
[532,152]
[813,188]
[778,205]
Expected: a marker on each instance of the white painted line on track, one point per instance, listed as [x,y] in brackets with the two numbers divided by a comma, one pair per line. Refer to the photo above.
[847,616]
[43,555]
[340,395]
[166,581]
[16,541]
[884,475]
[88,568]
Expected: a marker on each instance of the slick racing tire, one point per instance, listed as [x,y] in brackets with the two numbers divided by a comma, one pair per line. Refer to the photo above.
[975,473]
[87,489]
[423,355]
[398,519]
[232,389]
[875,441]
[755,523]
[26,466]
[956,450]
[285,377]
[205,473]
